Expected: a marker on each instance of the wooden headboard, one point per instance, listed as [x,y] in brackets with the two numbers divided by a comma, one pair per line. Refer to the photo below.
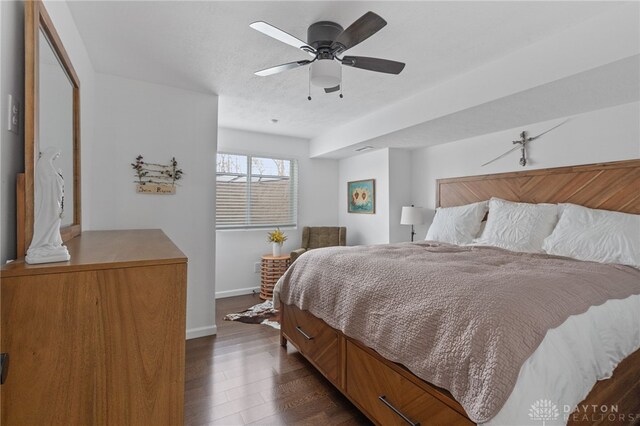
[609,186]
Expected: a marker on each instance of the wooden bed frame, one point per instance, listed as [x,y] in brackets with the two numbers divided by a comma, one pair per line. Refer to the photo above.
[388,393]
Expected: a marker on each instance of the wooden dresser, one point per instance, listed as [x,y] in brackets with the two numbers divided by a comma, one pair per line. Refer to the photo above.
[100,339]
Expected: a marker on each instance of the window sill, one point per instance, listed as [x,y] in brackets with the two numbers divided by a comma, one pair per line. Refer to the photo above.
[260,229]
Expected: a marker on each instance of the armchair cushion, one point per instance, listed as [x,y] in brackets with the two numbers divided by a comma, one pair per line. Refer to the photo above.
[323,236]
[320,236]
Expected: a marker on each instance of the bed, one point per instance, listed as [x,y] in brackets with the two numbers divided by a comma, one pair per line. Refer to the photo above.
[378,381]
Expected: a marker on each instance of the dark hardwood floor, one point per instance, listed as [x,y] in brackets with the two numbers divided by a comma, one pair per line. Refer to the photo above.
[243,376]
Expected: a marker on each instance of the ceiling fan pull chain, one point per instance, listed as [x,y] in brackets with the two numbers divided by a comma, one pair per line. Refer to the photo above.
[309,97]
[341,83]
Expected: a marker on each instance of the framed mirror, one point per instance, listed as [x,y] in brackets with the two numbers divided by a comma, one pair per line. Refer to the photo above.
[52,119]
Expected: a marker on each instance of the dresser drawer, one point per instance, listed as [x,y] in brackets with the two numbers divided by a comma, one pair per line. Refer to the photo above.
[389,398]
[314,339]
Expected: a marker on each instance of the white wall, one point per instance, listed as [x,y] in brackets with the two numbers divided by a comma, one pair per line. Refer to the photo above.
[159,122]
[605,135]
[365,228]
[238,250]
[11,144]
[391,168]
[399,193]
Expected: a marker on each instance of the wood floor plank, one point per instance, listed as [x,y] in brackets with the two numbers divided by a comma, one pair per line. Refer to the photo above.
[265,384]
[210,413]
[233,419]
[292,412]
[210,399]
[243,376]
[295,386]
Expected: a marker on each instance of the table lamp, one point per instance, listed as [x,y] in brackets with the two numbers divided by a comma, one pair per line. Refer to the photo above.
[412,216]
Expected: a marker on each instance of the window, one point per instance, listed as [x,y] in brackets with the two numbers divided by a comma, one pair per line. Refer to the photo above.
[255,192]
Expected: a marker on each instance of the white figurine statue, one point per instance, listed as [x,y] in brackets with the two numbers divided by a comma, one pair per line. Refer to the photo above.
[46,244]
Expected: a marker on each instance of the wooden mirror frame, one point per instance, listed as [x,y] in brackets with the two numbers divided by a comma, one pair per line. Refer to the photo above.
[37,19]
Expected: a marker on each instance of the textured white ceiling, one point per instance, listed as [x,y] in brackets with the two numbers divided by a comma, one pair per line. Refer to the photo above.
[208,46]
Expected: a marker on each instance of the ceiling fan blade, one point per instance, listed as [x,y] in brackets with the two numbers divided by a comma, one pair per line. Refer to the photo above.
[280,68]
[363,28]
[278,34]
[332,89]
[503,155]
[373,64]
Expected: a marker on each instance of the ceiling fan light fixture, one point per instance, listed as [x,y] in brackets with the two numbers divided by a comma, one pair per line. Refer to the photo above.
[326,73]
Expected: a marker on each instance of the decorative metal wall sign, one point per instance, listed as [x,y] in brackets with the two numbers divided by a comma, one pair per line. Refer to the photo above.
[154,178]
[522,144]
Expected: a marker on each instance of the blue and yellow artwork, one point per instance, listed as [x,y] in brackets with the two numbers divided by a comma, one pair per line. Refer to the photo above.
[361,196]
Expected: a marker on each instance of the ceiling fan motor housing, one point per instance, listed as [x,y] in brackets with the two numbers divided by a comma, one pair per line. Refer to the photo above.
[322,34]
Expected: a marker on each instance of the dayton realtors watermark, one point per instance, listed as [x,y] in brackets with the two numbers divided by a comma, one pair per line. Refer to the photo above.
[545,410]
[599,413]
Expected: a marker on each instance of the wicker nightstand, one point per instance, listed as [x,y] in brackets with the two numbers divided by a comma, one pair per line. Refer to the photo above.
[272,268]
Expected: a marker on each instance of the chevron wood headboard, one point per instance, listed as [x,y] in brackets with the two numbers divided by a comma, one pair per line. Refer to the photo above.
[609,186]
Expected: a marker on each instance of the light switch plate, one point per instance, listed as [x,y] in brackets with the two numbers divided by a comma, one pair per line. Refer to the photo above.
[256,267]
[14,115]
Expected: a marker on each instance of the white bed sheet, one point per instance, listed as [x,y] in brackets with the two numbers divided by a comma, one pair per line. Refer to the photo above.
[571,358]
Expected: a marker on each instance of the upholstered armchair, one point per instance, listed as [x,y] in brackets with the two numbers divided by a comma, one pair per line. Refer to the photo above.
[314,237]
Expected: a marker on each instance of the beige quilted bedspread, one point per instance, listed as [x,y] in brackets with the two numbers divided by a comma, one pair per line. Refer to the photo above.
[462,318]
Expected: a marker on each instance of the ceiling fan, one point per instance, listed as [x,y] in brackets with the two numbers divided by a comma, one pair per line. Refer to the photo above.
[326,42]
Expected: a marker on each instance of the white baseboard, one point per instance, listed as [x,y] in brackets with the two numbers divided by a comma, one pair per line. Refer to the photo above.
[194,333]
[236,292]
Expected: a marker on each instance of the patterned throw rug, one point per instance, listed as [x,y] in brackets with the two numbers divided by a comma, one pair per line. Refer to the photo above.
[262,313]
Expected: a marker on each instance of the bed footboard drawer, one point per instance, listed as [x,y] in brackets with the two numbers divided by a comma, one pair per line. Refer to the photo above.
[391,399]
[314,339]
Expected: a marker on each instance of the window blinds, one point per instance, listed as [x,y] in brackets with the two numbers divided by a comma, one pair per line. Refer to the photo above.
[255,192]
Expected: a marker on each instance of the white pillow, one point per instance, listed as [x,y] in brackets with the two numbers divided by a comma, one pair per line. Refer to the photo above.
[518,226]
[457,225]
[596,235]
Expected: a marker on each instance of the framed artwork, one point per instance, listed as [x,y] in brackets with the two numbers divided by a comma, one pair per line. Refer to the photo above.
[361,196]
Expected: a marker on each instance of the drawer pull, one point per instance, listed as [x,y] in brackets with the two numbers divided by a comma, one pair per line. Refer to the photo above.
[395,410]
[306,336]
[4,367]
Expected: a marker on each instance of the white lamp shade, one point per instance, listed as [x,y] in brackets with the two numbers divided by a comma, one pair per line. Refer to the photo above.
[325,73]
[412,216]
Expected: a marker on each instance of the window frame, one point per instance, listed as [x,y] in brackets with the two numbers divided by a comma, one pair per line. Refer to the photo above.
[293,189]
